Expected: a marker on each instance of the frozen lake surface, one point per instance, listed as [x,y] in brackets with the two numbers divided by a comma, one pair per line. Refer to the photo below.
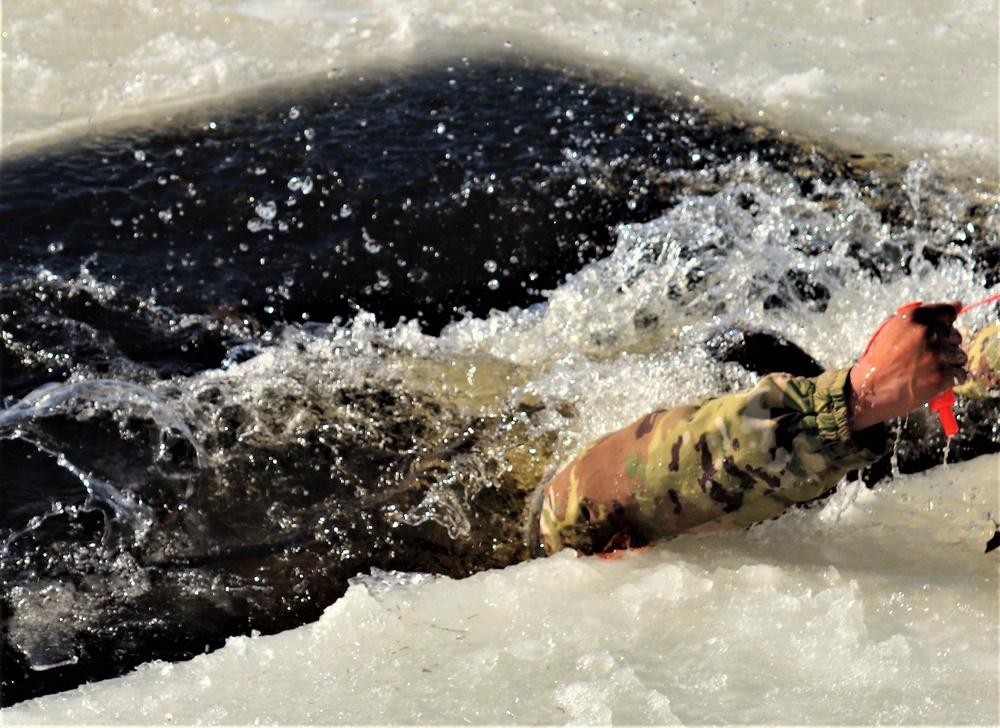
[898,77]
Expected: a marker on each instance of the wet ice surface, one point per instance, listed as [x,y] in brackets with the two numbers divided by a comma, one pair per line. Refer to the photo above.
[879,607]
[894,77]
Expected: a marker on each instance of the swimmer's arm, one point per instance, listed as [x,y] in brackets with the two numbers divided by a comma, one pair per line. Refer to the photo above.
[744,457]
[727,462]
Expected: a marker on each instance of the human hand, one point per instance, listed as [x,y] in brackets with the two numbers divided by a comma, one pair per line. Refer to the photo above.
[913,357]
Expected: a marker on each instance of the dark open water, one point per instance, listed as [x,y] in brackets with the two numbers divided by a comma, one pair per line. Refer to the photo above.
[159,494]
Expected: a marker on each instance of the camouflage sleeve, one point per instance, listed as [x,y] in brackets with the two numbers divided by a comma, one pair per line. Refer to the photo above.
[983,366]
[726,462]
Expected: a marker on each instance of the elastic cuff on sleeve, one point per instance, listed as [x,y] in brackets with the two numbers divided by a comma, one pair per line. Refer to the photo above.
[833,420]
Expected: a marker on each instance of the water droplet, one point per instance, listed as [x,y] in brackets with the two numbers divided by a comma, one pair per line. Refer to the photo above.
[266,211]
[490,266]
[305,184]
[493,284]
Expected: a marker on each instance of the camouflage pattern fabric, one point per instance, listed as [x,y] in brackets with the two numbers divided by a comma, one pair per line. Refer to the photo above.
[727,462]
[983,366]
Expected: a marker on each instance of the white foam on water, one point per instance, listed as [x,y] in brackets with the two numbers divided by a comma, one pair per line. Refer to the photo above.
[879,607]
[907,78]
[588,345]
